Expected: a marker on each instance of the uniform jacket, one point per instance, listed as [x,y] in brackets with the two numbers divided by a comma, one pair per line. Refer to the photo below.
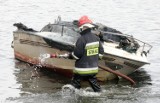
[87,51]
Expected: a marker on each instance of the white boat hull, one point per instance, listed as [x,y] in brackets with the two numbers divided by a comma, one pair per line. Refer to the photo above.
[28,48]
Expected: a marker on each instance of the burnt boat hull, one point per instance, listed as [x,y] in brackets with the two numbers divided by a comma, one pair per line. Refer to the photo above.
[28,46]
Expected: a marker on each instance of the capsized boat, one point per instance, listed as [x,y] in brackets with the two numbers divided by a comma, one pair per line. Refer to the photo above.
[123,53]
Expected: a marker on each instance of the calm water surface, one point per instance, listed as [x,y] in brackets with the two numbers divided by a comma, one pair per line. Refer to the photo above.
[18,83]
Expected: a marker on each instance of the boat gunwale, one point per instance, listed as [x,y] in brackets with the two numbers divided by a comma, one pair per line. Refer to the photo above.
[127,58]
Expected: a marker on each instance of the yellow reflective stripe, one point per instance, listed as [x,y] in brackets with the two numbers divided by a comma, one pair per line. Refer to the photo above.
[92,45]
[85,72]
[92,48]
[93,51]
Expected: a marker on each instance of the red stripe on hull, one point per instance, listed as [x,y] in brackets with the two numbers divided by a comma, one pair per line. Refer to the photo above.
[64,72]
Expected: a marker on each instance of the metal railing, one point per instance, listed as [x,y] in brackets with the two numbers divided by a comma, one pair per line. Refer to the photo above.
[144,44]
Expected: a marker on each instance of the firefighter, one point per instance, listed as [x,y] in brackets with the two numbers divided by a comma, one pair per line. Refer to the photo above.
[87,51]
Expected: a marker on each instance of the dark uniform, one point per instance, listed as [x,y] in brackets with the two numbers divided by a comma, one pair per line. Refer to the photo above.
[87,51]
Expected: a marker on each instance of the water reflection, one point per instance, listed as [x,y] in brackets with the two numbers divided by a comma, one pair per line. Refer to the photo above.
[36,80]
[47,84]
[141,77]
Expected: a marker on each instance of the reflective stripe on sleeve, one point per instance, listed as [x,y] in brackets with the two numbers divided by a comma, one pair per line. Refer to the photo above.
[74,56]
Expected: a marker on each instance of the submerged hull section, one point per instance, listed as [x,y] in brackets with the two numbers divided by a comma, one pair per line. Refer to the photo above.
[29,46]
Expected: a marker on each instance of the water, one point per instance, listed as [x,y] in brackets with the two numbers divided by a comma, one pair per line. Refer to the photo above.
[24,83]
